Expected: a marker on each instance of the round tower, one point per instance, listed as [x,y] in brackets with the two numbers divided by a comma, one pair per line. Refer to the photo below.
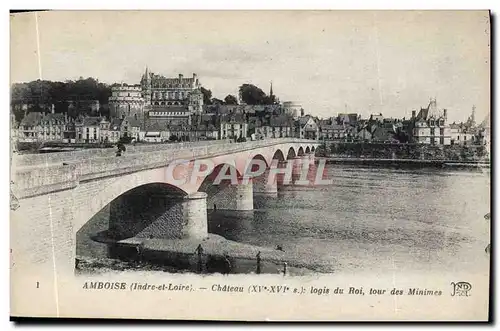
[196,101]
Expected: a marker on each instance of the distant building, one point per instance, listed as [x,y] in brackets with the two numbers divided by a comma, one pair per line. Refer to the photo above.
[466,133]
[292,109]
[306,128]
[29,128]
[154,132]
[332,131]
[365,133]
[172,115]
[130,128]
[126,100]
[104,130]
[430,126]
[348,119]
[115,130]
[159,90]
[233,127]
[88,130]
[51,127]
[276,127]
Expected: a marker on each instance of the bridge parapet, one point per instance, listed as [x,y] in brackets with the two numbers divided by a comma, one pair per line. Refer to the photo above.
[49,177]
[28,160]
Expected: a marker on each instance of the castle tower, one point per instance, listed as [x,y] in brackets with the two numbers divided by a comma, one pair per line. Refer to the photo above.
[195,102]
[146,86]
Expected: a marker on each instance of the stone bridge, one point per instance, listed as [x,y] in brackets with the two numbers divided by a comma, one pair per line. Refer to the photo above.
[151,190]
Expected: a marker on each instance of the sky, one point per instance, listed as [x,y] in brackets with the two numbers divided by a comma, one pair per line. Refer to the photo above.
[388,62]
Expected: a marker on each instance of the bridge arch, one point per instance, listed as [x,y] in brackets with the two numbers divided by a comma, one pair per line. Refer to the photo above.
[278,155]
[308,150]
[291,153]
[226,189]
[300,152]
[313,149]
[152,210]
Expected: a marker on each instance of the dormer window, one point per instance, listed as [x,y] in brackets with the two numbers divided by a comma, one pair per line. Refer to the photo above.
[432,122]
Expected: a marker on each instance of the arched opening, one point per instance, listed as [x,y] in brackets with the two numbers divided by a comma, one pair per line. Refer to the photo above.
[257,165]
[220,186]
[300,152]
[228,203]
[291,154]
[308,150]
[147,211]
[313,149]
[278,155]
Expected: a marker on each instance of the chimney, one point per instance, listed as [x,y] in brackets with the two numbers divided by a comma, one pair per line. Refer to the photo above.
[194,76]
[413,113]
[181,76]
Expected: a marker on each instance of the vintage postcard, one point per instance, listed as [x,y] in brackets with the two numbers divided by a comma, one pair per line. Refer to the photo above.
[250,165]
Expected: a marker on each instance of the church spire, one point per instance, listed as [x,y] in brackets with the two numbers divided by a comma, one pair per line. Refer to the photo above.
[271,90]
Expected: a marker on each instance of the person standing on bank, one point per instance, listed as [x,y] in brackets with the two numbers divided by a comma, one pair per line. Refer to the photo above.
[227,264]
[199,251]
[258,263]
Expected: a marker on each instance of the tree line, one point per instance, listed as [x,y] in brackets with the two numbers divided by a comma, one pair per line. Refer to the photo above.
[40,95]
[248,93]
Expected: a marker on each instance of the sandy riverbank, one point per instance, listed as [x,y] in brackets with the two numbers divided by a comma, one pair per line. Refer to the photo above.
[179,256]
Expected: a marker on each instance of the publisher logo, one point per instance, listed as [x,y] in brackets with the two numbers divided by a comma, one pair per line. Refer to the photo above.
[461,289]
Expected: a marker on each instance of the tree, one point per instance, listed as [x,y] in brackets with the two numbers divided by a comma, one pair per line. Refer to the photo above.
[230,100]
[252,95]
[207,96]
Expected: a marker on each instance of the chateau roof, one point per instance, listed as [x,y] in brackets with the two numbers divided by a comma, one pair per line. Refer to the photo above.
[171,80]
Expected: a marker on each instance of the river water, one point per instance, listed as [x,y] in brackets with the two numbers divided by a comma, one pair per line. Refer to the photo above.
[371,219]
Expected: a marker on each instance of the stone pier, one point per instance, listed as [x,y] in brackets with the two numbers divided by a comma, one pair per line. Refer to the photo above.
[232,196]
[266,186]
[194,207]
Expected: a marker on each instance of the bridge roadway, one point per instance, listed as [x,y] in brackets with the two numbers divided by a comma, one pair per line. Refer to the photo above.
[59,193]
